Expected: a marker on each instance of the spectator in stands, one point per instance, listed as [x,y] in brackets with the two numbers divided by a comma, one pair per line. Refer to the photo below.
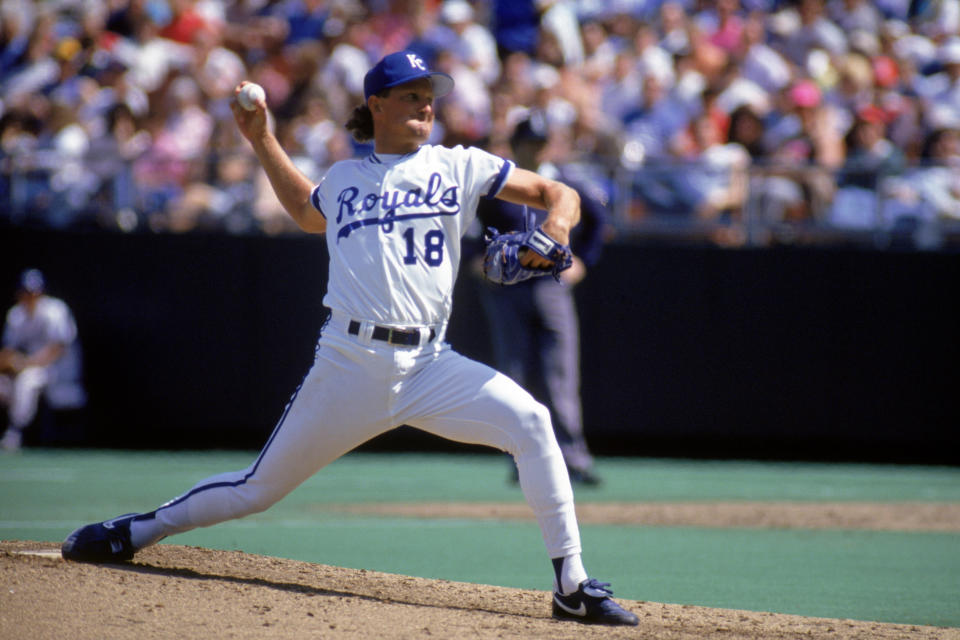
[35,68]
[723,26]
[673,28]
[599,52]
[15,29]
[70,180]
[713,184]
[773,194]
[814,32]
[178,155]
[650,130]
[855,15]
[516,25]
[622,90]
[853,90]
[150,58]
[549,99]
[657,119]
[650,61]
[871,161]
[935,19]
[217,69]
[807,147]
[396,24]
[40,357]
[473,42]
[721,165]
[944,102]
[184,22]
[596,138]
[760,63]
[20,129]
[936,183]
[558,20]
[220,199]
[110,158]
[746,129]
[305,20]
[465,111]
[517,79]
[341,76]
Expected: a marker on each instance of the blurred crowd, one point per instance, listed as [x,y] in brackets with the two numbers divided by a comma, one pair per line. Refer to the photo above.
[844,113]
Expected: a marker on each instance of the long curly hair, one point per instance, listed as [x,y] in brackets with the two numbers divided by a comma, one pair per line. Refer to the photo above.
[360,124]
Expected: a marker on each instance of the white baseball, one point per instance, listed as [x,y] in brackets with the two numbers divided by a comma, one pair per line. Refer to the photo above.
[250,95]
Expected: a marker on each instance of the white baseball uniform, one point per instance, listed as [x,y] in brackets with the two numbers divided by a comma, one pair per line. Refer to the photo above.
[50,322]
[394,224]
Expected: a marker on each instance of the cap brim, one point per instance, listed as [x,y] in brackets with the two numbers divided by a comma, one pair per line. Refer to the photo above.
[441,82]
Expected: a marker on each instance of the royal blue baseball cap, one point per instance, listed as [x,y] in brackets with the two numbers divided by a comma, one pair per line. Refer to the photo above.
[402,67]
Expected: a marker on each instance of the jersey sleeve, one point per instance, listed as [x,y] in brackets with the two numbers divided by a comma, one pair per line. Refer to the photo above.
[483,171]
[315,198]
[483,175]
[487,171]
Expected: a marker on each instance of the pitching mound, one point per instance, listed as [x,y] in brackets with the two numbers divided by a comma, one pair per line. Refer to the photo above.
[185,592]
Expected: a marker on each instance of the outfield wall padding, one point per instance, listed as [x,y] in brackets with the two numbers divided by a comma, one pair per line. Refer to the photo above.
[198,341]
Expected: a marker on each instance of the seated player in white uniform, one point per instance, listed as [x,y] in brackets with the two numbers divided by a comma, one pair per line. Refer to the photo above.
[393,222]
[40,356]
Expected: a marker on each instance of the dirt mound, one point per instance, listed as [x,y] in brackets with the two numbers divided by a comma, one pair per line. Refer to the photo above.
[184,592]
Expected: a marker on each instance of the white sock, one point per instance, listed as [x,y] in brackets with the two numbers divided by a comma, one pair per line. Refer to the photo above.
[570,573]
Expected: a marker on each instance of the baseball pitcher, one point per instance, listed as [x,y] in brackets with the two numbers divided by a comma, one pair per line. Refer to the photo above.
[393,221]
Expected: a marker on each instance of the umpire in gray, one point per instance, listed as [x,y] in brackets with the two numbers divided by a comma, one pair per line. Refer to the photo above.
[533,324]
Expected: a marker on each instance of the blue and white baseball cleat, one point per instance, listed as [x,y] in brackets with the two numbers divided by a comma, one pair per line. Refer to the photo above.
[591,604]
[107,541]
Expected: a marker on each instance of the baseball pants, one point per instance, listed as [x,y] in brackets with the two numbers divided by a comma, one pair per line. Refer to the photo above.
[358,388]
[22,394]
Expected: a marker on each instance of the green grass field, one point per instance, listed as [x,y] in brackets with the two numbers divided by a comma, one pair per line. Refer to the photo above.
[883,576]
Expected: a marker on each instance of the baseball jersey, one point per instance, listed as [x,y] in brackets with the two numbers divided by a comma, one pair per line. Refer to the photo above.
[50,322]
[394,223]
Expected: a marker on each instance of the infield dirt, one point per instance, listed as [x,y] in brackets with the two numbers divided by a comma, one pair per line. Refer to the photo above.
[182,592]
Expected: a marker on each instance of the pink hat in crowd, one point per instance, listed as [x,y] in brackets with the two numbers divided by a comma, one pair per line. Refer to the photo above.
[805,93]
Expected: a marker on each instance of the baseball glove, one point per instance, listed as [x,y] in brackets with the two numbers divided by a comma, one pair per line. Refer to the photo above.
[501,263]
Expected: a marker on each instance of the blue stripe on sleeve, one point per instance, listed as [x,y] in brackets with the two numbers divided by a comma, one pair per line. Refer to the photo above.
[500,180]
[315,200]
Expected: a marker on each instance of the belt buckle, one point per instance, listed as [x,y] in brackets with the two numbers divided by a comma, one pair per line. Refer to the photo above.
[408,337]
[403,337]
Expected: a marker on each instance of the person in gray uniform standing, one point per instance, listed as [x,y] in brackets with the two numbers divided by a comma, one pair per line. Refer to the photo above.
[534,324]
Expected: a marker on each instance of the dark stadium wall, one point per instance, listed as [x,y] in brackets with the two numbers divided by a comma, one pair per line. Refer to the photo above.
[812,354]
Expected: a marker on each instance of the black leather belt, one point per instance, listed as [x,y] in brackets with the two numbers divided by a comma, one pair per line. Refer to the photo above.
[405,337]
